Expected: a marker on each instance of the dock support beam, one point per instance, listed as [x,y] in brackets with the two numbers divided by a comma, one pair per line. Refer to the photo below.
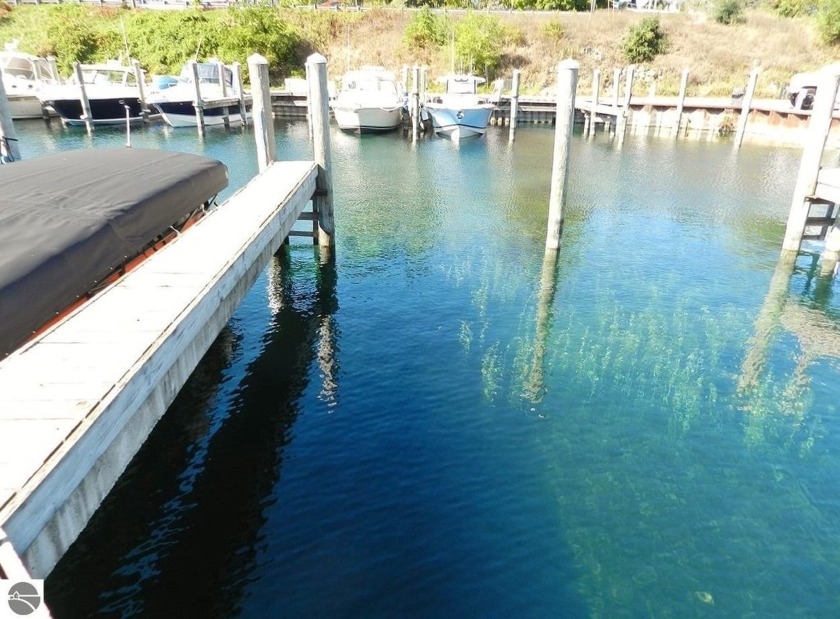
[745,108]
[198,103]
[596,91]
[83,98]
[415,104]
[567,78]
[8,138]
[680,103]
[240,92]
[809,167]
[624,114]
[220,67]
[141,86]
[319,106]
[514,104]
[263,120]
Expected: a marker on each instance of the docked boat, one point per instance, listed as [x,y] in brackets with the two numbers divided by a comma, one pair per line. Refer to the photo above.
[176,103]
[95,215]
[370,101]
[110,89]
[460,112]
[24,76]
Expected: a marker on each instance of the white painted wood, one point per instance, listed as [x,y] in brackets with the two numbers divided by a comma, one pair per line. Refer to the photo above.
[319,107]
[8,137]
[567,77]
[198,102]
[514,104]
[596,91]
[240,92]
[746,105]
[680,103]
[261,110]
[83,98]
[67,439]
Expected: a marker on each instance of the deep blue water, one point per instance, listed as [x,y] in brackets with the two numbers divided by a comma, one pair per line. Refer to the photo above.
[443,423]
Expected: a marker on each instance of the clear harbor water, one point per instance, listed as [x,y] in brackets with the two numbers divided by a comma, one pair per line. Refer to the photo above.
[444,422]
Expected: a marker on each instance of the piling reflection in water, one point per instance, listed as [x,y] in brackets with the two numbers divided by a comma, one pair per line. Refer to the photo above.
[200,503]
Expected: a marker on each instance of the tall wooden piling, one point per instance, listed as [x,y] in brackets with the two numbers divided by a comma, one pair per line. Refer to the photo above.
[261,110]
[809,167]
[415,104]
[83,98]
[675,131]
[624,114]
[319,104]
[514,104]
[198,102]
[220,67]
[567,78]
[616,87]
[745,108]
[240,92]
[596,91]
[141,87]
[8,137]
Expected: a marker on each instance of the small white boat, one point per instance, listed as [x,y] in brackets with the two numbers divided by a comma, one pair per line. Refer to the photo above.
[370,101]
[112,91]
[176,103]
[24,76]
[460,112]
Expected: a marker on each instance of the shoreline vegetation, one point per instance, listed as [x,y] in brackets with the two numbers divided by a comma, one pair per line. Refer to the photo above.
[718,55]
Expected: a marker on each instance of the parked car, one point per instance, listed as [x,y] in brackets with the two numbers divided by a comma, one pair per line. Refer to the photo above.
[803,87]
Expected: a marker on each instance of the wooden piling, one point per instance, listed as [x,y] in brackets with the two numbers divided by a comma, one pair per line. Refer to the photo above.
[415,104]
[198,103]
[624,114]
[141,87]
[220,67]
[240,92]
[83,98]
[675,131]
[261,110]
[319,104]
[745,108]
[809,167]
[596,90]
[8,137]
[616,87]
[567,77]
[514,104]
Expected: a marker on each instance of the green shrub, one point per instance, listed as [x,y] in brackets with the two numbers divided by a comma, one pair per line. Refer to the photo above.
[794,8]
[828,22]
[554,30]
[72,35]
[551,5]
[424,31]
[479,40]
[729,12]
[258,29]
[645,41]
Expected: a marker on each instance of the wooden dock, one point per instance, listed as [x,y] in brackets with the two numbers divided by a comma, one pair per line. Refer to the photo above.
[77,403]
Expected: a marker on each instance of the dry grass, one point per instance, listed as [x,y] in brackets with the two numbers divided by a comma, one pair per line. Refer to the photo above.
[719,57]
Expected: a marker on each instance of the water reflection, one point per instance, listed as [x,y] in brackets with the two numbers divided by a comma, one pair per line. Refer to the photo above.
[200,503]
[535,383]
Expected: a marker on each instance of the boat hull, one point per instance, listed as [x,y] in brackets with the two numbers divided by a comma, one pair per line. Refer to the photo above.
[25,106]
[182,114]
[103,111]
[460,122]
[366,119]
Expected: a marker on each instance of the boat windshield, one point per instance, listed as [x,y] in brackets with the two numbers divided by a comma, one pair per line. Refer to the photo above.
[104,76]
[208,73]
[461,85]
[371,83]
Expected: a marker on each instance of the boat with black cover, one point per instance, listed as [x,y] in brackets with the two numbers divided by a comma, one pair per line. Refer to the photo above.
[72,222]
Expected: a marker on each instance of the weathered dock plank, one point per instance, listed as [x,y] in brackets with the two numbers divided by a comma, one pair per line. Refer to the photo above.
[64,438]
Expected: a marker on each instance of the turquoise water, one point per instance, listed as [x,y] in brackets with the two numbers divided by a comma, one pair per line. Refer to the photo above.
[443,422]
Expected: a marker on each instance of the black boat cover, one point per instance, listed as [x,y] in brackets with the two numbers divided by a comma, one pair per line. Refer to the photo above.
[67,221]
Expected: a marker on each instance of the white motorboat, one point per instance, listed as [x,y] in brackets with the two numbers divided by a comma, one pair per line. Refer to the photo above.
[24,76]
[112,91]
[176,103]
[460,112]
[370,101]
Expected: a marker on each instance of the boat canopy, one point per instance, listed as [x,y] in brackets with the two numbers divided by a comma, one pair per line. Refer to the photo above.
[69,221]
[461,84]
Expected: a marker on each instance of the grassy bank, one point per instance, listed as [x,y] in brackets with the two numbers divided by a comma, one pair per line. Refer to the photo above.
[719,56]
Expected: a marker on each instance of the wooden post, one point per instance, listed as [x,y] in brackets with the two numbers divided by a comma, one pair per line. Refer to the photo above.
[809,167]
[596,91]
[745,108]
[261,110]
[675,132]
[141,86]
[198,103]
[220,67]
[323,200]
[514,104]
[616,86]
[404,78]
[624,114]
[237,80]
[567,77]
[77,68]
[8,137]
[415,104]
